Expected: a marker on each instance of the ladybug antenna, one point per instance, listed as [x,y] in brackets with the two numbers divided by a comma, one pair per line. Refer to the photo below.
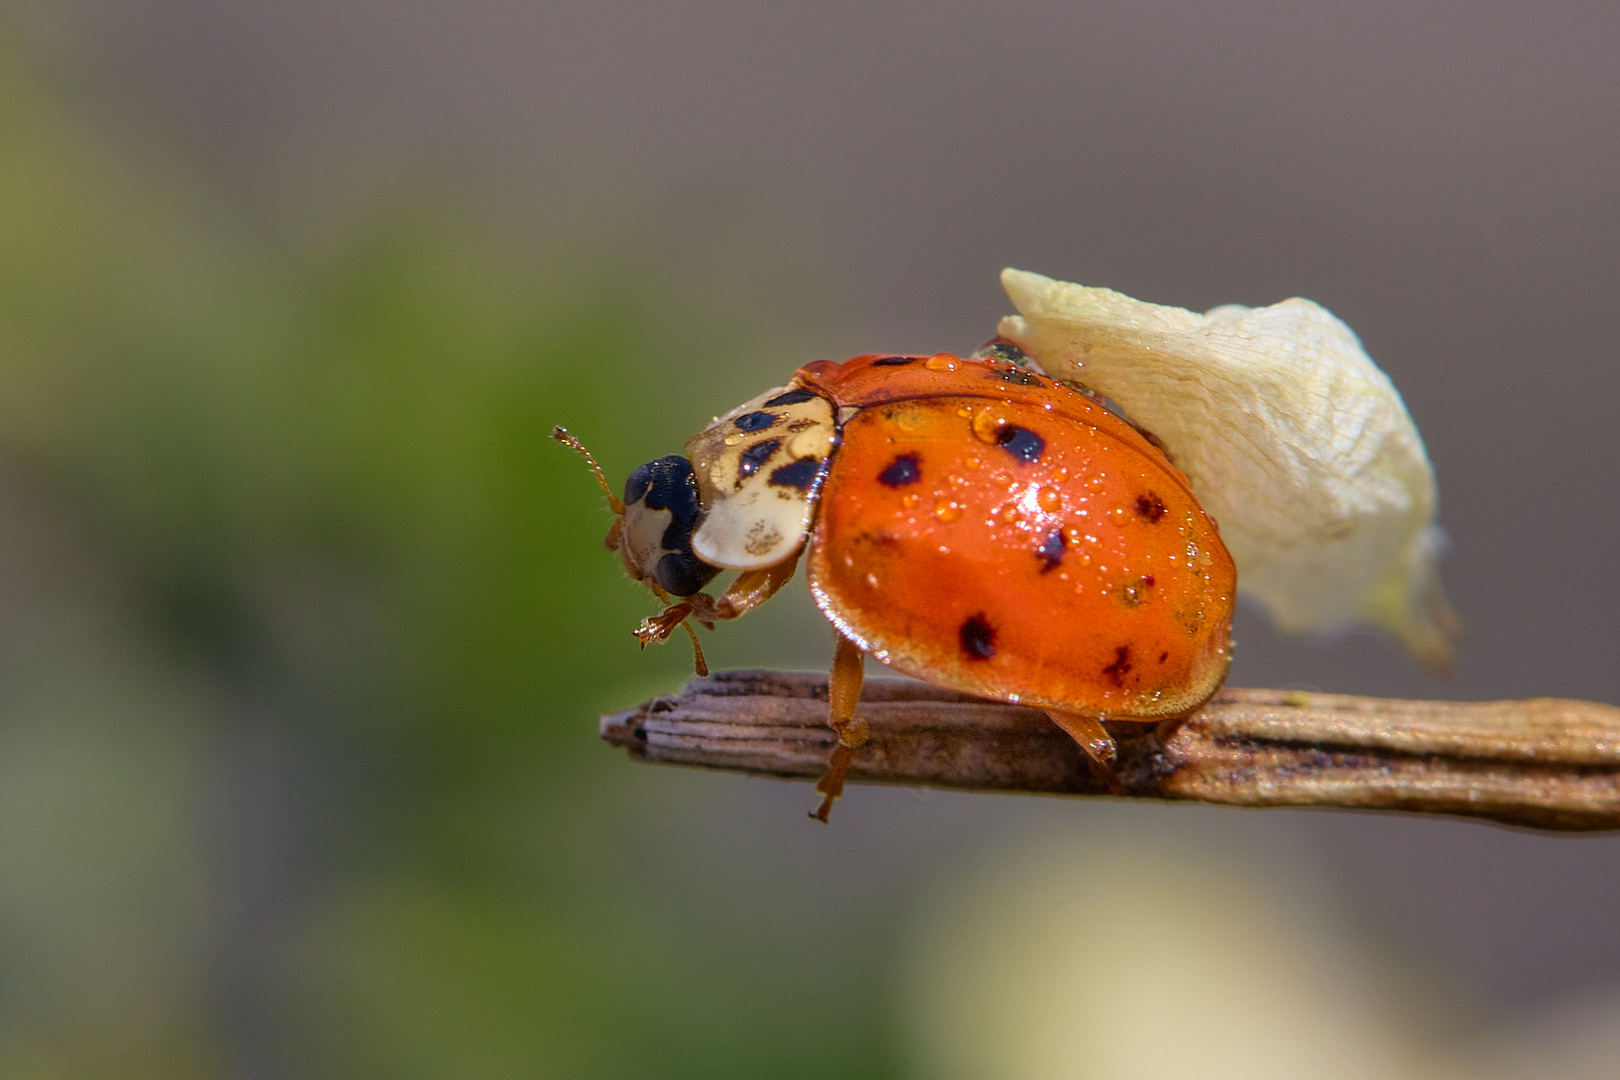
[561,434]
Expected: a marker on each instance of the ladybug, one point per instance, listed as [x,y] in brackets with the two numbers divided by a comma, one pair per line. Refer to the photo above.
[967,521]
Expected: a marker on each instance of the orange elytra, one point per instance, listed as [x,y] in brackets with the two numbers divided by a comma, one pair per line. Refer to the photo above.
[969,522]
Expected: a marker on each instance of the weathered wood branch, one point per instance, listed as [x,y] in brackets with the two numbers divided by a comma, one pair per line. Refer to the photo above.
[1546,763]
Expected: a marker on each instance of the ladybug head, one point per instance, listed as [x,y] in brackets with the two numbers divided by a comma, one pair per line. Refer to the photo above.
[654,536]
[653,524]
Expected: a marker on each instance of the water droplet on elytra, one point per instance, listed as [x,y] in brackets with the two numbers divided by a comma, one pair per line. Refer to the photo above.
[987,425]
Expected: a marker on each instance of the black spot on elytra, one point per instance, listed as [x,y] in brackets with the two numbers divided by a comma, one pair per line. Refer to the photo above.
[1150,506]
[1021,442]
[1051,550]
[755,421]
[903,470]
[792,397]
[755,456]
[801,474]
[978,638]
[1121,666]
[894,361]
[1163,657]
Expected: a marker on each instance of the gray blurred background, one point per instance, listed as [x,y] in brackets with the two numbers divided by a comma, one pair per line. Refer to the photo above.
[305,628]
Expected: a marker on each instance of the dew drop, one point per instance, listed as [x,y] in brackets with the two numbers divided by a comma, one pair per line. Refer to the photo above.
[987,426]
[940,362]
[1049,499]
[948,510]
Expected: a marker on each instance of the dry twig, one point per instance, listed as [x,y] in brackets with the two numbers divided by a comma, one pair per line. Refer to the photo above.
[1545,762]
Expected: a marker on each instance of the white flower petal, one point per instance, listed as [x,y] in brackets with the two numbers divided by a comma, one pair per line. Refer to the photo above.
[1290,435]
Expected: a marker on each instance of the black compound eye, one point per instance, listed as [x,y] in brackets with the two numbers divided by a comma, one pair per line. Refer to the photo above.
[668,484]
[672,485]
[637,483]
[681,573]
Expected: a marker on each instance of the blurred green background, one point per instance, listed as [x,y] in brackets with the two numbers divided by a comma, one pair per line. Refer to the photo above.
[306,623]
[298,758]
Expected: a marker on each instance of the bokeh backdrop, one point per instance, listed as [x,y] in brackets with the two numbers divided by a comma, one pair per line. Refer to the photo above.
[305,624]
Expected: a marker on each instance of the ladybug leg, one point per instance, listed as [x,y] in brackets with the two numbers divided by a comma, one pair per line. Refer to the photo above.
[753,587]
[1094,739]
[659,627]
[843,694]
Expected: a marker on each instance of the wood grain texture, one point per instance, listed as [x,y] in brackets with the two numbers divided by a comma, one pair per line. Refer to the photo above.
[1545,763]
